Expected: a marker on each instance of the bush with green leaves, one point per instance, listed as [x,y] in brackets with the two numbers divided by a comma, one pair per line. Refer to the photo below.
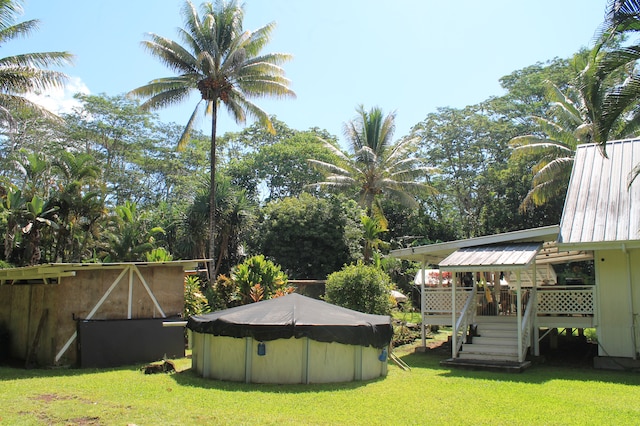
[258,278]
[195,302]
[360,287]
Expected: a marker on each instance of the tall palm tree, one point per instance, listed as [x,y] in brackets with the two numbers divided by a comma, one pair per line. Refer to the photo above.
[222,61]
[601,103]
[608,81]
[375,167]
[623,17]
[78,204]
[554,147]
[609,87]
[24,73]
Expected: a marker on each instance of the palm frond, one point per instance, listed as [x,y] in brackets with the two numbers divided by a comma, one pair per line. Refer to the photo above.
[328,167]
[633,175]
[186,133]
[171,54]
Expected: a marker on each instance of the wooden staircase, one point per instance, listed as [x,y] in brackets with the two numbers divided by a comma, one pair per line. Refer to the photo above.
[494,345]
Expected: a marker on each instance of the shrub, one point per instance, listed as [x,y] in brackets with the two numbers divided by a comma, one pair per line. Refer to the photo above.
[360,287]
[258,278]
[195,303]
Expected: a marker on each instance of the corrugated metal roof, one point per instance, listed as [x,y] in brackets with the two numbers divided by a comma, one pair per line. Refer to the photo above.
[434,253]
[599,207]
[492,258]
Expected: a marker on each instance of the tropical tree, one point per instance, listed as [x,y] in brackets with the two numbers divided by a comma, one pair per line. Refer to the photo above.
[131,236]
[465,147]
[258,278]
[600,103]
[373,227]
[24,73]
[623,17]
[609,87]
[224,63]
[310,237]
[553,146]
[25,219]
[280,170]
[80,205]
[375,167]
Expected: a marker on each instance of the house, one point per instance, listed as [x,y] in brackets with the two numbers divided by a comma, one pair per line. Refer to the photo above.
[602,215]
[513,298]
[92,314]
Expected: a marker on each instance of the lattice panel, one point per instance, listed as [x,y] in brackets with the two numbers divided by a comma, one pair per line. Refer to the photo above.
[565,302]
[439,301]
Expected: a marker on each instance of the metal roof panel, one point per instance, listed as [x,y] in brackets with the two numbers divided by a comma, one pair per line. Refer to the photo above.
[600,207]
[496,257]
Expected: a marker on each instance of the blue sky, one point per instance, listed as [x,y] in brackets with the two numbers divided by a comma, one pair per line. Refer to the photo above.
[411,56]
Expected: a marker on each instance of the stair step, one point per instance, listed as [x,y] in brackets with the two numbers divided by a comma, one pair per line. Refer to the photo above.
[503,334]
[489,349]
[497,326]
[490,340]
[497,319]
[488,357]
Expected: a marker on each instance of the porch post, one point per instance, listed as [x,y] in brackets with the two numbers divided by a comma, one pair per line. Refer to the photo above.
[534,313]
[423,301]
[519,309]
[454,335]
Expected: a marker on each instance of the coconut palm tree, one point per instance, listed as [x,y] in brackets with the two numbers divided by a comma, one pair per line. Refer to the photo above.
[554,147]
[24,73]
[601,103]
[375,167]
[609,88]
[223,62]
[623,17]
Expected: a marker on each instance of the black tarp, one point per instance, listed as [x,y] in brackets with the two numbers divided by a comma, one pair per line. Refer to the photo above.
[112,343]
[296,316]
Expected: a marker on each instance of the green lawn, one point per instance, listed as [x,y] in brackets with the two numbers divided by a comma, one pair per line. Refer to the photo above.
[428,394]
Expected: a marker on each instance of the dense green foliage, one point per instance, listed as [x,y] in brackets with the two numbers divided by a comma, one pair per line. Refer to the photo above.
[311,237]
[258,278]
[195,302]
[360,287]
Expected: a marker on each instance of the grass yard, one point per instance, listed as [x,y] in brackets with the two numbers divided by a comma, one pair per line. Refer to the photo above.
[428,394]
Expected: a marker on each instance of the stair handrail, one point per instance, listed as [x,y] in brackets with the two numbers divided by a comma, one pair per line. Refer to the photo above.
[466,317]
[526,324]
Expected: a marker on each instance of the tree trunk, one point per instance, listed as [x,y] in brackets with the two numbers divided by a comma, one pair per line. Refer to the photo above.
[212,198]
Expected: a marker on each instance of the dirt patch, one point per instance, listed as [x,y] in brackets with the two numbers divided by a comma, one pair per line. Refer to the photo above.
[80,421]
[49,397]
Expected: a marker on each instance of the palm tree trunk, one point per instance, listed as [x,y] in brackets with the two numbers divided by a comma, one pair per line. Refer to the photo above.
[212,197]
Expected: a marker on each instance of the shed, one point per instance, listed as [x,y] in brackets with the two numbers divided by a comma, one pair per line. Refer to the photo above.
[290,339]
[91,314]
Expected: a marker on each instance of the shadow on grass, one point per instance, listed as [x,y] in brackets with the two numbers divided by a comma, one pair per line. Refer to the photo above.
[190,378]
[14,370]
[571,360]
[184,377]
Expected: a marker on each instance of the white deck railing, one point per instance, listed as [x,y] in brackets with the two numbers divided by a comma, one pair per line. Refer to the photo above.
[566,300]
[438,300]
[553,301]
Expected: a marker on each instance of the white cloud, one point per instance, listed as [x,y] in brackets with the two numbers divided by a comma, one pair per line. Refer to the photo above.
[60,100]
